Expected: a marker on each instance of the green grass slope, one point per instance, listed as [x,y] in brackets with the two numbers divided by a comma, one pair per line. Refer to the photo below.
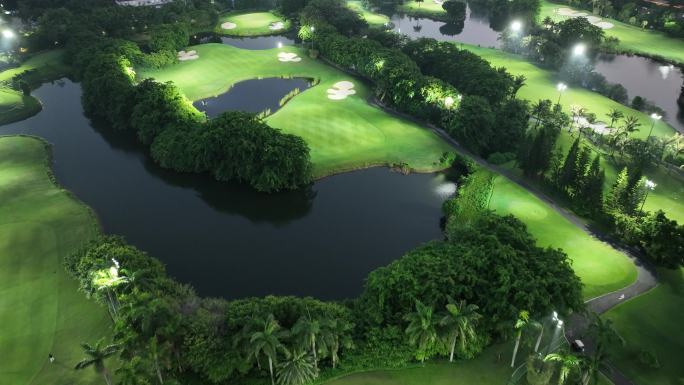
[653,322]
[601,268]
[373,19]
[41,311]
[251,23]
[632,38]
[14,106]
[343,134]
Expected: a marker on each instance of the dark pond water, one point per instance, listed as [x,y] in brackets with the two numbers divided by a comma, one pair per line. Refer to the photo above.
[657,82]
[225,239]
[476,29]
[254,43]
[255,95]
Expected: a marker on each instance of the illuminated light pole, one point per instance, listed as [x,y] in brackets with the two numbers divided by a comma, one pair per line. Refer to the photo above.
[312,35]
[516,26]
[8,34]
[561,87]
[650,186]
[655,118]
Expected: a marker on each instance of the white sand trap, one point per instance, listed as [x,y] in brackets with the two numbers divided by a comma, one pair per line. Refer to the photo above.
[604,25]
[185,56]
[228,25]
[276,26]
[580,14]
[341,90]
[438,2]
[289,57]
[565,11]
[598,127]
[593,19]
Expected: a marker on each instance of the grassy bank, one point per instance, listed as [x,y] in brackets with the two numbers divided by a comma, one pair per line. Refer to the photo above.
[373,19]
[429,9]
[342,134]
[41,311]
[15,106]
[653,322]
[632,38]
[251,24]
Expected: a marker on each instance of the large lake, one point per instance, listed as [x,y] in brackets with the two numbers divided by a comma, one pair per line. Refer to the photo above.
[225,239]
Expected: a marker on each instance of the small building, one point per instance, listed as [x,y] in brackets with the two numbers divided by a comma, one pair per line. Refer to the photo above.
[142,3]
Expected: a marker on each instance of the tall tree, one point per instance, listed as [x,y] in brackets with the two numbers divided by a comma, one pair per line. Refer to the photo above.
[337,337]
[566,364]
[459,324]
[614,115]
[266,341]
[422,330]
[569,170]
[307,330]
[96,356]
[592,188]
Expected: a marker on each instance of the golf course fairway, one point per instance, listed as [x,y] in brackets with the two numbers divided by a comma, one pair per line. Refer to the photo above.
[41,309]
[252,24]
[343,135]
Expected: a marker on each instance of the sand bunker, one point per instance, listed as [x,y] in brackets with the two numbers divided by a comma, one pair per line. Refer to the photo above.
[595,20]
[190,55]
[276,26]
[598,127]
[438,2]
[289,57]
[341,90]
[228,25]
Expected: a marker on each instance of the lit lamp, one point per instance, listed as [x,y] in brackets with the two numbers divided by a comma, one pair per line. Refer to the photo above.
[561,87]
[655,118]
[579,49]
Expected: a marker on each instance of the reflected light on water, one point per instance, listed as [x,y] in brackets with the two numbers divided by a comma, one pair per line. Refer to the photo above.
[445,189]
[665,71]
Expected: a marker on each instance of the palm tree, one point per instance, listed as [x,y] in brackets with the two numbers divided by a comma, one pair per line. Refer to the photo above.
[604,335]
[540,326]
[96,356]
[567,363]
[631,124]
[675,145]
[266,340]
[421,329]
[614,115]
[458,322]
[307,330]
[298,368]
[520,323]
[539,109]
[336,337]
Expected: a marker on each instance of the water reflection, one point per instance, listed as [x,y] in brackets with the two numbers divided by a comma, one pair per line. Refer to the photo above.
[252,43]
[226,239]
[255,95]
[644,77]
[476,30]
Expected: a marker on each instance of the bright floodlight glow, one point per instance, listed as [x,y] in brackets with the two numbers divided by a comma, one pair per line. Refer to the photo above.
[516,26]
[579,49]
[560,324]
[448,102]
[312,28]
[7,33]
[445,190]
[280,45]
[115,262]
[651,185]
[560,87]
[655,116]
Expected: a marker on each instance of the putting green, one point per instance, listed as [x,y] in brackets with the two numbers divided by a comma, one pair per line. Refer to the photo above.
[14,106]
[343,134]
[632,38]
[373,19]
[252,24]
[653,322]
[41,311]
[601,268]
[541,84]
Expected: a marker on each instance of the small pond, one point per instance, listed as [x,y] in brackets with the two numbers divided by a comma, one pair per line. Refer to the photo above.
[476,29]
[255,95]
[225,239]
[657,82]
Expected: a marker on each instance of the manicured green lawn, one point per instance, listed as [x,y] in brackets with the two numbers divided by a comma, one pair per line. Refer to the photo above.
[41,311]
[373,19]
[427,8]
[343,134]
[632,38]
[541,84]
[251,23]
[653,322]
[601,268]
[14,105]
